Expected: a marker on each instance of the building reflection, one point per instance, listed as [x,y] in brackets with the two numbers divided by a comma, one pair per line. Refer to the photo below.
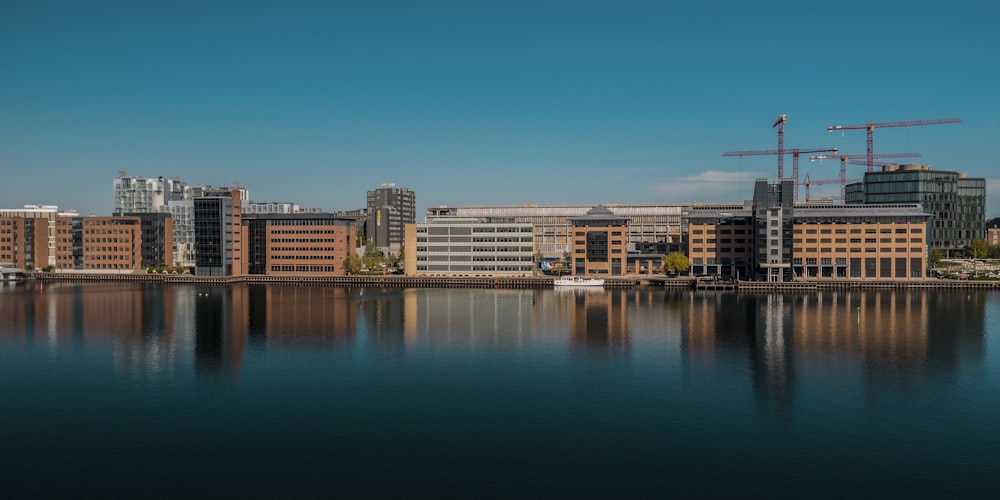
[456,318]
[887,340]
[597,319]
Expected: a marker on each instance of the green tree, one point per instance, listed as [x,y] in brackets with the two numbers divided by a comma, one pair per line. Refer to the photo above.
[995,251]
[675,262]
[978,249]
[937,255]
[352,264]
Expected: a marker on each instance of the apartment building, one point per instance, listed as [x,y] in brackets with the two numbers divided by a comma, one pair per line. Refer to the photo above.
[295,244]
[469,247]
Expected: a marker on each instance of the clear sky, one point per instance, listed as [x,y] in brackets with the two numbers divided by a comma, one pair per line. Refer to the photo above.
[476,102]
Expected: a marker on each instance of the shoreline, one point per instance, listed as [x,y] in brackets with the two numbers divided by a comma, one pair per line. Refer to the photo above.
[525,282]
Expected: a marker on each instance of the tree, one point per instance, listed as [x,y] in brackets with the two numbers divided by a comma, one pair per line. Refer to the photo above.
[978,249]
[352,264]
[675,262]
[937,255]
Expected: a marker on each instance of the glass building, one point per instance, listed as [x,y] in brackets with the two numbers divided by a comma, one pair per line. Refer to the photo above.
[957,203]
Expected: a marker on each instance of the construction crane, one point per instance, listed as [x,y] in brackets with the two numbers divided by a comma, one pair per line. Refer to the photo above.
[780,124]
[809,183]
[844,159]
[795,152]
[870,127]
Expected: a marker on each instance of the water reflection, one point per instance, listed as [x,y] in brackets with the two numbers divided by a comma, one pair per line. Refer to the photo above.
[869,341]
[874,342]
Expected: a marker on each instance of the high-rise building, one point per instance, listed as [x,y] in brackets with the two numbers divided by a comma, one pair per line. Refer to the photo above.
[957,202]
[389,209]
[217,233]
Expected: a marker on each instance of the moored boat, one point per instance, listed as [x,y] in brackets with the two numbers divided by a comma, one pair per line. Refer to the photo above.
[578,281]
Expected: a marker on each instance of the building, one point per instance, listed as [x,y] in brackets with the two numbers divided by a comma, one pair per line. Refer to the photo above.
[599,243]
[389,209]
[295,244]
[134,195]
[771,238]
[157,239]
[469,247]
[957,202]
[993,231]
[147,194]
[646,223]
[24,242]
[39,238]
[99,243]
[218,234]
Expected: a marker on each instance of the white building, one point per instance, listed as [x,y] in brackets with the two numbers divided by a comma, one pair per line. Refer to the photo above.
[553,231]
[469,247]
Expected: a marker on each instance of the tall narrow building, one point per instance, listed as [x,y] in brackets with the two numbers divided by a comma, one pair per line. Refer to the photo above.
[217,233]
[389,209]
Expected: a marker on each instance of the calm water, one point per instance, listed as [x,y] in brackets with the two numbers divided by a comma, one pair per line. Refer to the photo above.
[143,390]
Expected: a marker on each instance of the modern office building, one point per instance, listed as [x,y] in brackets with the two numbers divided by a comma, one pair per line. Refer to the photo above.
[157,239]
[98,243]
[389,209]
[468,247]
[553,231]
[217,231]
[957,202]
[599,243]
[38,245]
[771,238]
[296,244]
[24,242]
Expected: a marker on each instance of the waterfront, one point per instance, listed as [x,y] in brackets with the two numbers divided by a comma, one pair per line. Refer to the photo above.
[148,389]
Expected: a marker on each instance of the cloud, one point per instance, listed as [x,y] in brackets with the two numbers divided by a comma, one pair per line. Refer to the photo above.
[710,186]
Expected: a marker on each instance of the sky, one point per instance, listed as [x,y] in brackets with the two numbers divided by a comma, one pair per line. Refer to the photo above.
[476,102]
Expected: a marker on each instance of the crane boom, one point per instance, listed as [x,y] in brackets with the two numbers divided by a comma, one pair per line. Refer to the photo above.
[870,127]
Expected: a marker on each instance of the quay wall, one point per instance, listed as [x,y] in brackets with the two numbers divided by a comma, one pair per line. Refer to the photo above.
[520,282]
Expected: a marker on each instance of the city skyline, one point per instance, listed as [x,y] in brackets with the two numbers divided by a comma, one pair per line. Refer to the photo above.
[467,104]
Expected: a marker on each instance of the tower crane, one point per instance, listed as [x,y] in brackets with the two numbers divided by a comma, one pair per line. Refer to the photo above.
[870,127]
[809,183]
[844,159]
[780,124]
[795,152]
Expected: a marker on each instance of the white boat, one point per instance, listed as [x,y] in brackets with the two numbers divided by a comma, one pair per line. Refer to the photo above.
[578,281]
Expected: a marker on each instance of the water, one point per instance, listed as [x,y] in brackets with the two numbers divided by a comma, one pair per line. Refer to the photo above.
[149,390]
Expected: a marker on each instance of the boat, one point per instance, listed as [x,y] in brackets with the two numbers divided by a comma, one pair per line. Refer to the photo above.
[578,281]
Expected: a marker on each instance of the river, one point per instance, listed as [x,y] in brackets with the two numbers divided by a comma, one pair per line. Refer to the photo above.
[177,390]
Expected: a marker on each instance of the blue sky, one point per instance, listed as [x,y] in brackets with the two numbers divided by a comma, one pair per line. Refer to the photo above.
[469,102]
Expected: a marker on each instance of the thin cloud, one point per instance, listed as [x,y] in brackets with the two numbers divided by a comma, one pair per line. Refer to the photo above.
[711,186]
